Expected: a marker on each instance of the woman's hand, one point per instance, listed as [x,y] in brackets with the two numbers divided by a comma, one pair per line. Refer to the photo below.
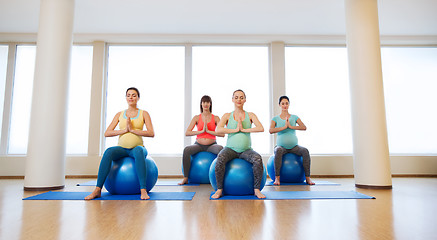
[129,127]
[205,127]
[110,131]
[258,126]
[240,125]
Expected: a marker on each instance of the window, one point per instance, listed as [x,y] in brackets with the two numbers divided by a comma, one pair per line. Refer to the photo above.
[317,84]
[79,100]
[159,73]
[410,82]
[21,99]
[3,68]
[220,70]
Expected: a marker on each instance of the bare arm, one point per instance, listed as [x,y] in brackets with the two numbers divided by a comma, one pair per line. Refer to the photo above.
[274,129]
[190,127]
[216,120]
[258,126]
[149,132]
[301,125]
[221,125]
[110,131]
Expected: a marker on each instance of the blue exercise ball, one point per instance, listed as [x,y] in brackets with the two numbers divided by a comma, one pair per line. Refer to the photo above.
[238,178]
[199,170]
[291,171]
[122,178]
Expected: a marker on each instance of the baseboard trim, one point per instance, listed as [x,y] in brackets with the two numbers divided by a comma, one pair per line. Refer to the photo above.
[11,177]
[373,186]
[43,188]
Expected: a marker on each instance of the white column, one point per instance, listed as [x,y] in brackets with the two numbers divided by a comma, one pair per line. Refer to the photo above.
[188,89]
[98,89]
[371,155]
[45,165]
[277,81]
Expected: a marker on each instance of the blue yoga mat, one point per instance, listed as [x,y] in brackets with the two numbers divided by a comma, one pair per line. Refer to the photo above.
[318,183]
[283,195]
[158,183]
[107,196]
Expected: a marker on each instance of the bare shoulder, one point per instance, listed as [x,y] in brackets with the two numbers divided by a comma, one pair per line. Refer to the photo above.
[117,115]
[226,115]
[146,114]
[252,115]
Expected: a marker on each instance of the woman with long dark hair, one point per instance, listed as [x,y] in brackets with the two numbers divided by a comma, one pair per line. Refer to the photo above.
[206,124]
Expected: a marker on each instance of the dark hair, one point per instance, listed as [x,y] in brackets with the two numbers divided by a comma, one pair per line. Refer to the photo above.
[135,89]
[205,98]
[283,97]
[239,90]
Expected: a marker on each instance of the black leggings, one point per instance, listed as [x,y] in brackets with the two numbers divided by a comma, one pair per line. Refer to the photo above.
[298,150]
[228,154]
[195,148]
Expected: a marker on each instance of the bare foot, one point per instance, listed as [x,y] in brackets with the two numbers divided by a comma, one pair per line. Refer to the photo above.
[309,181]
[277,182]
[184,181]
[95,194]
[217,194]
[258,194]
[144,195]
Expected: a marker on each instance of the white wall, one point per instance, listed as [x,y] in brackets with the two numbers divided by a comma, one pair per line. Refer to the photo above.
[171,165]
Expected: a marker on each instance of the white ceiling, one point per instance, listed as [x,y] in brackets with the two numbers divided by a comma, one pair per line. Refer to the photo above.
[260,17]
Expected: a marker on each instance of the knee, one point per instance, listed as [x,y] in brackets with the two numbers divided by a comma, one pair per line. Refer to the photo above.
[305,152]
[220,162]
[110,151]
[191,150]
[279,150]
[257,161]
[187,150]
[140,150]
[216,150]
[258,164]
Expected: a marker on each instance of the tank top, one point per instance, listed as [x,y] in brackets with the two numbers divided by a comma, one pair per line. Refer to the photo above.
[130,140]
[239,141]
[286,138]
[211,126]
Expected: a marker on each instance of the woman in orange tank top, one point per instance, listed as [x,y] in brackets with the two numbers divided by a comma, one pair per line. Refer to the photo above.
[206,123]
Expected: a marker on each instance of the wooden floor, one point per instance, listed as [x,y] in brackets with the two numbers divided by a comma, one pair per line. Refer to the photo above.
[408,211]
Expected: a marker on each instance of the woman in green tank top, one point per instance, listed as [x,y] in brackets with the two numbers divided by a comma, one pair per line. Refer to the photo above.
[238,127]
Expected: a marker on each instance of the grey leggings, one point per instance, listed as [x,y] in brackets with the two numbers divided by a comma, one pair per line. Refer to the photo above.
[251,156]
[298,150]
[195,148]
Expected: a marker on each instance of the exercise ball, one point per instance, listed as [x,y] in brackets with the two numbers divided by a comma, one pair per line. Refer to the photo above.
[238,178]
[291,171]
[122,178]
[199,170]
